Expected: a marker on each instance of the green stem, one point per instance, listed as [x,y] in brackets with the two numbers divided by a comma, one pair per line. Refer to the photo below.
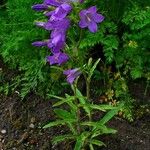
[76,45]
[147,85]
[78,109]
[88,89]
[88,81]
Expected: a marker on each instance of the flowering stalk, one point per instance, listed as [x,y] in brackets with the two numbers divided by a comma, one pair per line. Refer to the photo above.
[58,24]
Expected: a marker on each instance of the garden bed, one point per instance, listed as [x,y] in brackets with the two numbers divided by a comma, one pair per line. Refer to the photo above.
[21,121]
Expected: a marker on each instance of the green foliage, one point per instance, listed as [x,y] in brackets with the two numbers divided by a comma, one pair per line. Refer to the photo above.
[17,33]
[109,42]
[135,51]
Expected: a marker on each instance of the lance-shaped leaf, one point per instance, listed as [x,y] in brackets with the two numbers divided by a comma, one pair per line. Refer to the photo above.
[83,101]
[93,68]
[81,139]
[61,138]
[98,107]
[55,123]
[98,128]
[97,142]
[65,115]
[110,114]
[69,100]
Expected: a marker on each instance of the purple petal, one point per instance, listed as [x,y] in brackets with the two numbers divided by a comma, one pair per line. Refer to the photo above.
[58,58]
[70,79]
[72,74]
[92,26]
[40,24]
[83,24]
[39,7]
[82,13]
[63,58]
[51,60]
[49,13]
[39,43]
[92,9]
[62,24]
[98,18]
[54,2]
[66,72]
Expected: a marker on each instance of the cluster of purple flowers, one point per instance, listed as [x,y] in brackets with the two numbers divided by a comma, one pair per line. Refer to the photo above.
[58,24]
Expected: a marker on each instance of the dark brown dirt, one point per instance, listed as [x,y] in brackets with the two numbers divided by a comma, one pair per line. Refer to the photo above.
[16,118]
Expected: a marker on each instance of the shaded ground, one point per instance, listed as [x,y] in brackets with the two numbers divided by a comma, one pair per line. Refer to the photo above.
[21,122]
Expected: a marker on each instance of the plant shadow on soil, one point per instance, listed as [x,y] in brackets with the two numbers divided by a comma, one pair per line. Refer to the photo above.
[20,124]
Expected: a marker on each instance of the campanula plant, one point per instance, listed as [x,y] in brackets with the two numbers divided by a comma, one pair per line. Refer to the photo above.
[61,16]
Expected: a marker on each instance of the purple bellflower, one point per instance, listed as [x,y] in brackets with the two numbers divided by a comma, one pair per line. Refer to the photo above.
[49,13]
[39,43]
[40,7]
[57,40]
[55,3]
[62,24]
[61,12]
[90,18]
[58,58]
[72,74]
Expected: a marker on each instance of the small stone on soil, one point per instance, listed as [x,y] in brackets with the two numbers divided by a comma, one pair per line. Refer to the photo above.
[3,131]
[31,125]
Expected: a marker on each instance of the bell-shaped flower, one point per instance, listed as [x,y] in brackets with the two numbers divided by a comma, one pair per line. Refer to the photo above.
[90,18]
[55,3]
[58,24]
[39,43]
[40,7]
[72,74]
[61,12]
[58,58]
[57,41]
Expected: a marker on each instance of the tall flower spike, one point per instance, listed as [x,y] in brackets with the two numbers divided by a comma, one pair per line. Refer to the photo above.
[72,74]
[90,18]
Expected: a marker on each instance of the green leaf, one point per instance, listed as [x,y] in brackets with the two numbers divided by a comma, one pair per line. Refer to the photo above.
[55,123]
[72,128]
[57,97]
[61,138]
[80,140]
[63,114]
[97,142]
[99,107]
[89,62]
[82,100]
[64,100]
[100,131]
[110,114]
[91,147]
[99,128]
[93,68]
